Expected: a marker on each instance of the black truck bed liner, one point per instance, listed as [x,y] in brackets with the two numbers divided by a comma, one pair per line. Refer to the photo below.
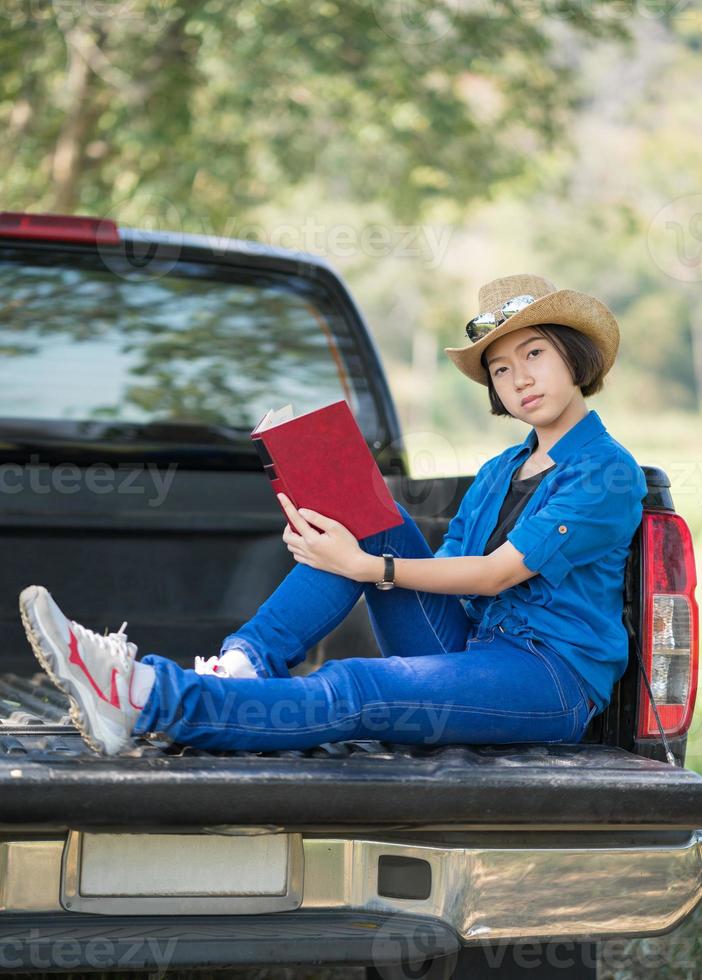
[49,777]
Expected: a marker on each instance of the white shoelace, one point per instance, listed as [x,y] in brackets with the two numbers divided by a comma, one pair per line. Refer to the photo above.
[232,663]
[114,644]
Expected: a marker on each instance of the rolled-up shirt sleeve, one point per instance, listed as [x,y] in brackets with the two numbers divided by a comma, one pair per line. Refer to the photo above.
[594,507]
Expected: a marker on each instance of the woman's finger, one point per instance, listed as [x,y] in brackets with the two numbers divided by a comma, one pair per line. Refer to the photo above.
[293,515]
[319,520]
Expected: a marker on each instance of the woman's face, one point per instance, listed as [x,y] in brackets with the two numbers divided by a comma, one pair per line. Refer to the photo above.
[525,363]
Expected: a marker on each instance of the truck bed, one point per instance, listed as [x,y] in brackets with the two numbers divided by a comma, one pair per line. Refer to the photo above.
[46,770]
[48,777]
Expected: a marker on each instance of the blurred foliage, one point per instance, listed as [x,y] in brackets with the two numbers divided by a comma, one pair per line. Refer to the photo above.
[218,107]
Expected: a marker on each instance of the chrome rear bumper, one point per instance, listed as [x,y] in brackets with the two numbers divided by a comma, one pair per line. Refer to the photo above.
[482,893]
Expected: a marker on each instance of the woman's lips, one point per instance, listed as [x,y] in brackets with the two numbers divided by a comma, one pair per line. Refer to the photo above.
[533,402]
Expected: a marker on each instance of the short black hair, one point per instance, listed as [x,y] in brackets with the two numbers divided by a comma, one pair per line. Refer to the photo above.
[582,355]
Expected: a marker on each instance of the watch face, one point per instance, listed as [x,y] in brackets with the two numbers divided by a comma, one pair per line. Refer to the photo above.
[385,585]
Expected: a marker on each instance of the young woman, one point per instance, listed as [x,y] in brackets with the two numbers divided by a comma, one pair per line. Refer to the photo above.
[511,632]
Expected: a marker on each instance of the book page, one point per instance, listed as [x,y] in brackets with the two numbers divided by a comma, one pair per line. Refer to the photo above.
[272,418]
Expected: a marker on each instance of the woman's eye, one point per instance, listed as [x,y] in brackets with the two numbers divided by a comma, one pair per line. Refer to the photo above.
[534,350]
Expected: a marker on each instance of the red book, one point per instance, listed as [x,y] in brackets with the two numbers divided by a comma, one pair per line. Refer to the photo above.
[320,460]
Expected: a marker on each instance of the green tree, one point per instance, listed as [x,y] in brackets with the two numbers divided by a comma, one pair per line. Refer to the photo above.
[135,106]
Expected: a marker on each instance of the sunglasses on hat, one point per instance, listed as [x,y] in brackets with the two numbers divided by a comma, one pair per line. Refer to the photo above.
[481,325]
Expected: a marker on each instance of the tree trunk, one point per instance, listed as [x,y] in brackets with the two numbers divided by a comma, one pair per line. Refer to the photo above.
[69,152]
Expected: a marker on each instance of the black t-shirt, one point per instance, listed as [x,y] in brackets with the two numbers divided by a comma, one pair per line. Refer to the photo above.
[514,503]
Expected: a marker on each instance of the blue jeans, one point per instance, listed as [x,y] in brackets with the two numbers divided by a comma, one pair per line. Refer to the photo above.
[440,679]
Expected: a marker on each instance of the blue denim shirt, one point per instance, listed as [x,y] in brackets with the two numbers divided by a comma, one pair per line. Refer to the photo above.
[575,530]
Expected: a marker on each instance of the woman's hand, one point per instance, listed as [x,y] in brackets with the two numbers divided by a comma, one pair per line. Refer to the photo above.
[335,549]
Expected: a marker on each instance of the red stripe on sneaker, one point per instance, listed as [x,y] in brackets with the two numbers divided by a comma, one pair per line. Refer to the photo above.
[76,659]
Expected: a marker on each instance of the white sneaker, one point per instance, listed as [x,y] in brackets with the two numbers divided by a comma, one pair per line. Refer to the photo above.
[232,663]
[96,672]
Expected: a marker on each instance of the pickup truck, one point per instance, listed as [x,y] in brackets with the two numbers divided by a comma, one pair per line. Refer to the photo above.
[134,366]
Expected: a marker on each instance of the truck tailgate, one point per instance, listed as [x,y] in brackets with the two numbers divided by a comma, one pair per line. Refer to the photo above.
[48,777]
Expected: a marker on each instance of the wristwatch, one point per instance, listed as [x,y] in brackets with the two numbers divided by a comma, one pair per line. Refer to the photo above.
[388,580]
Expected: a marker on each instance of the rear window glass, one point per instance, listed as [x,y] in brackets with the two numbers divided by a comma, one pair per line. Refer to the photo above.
[201,344]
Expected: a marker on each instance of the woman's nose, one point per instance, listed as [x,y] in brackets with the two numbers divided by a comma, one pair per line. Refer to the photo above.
[522,380]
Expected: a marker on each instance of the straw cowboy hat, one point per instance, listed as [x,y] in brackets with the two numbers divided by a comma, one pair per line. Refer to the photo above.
[513,302]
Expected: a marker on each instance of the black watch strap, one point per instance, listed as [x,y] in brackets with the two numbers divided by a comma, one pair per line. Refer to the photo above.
[388,579]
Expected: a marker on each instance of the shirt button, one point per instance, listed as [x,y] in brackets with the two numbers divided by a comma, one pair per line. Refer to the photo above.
[562,529]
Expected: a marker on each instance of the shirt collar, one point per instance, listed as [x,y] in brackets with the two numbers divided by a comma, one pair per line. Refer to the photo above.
[572,441]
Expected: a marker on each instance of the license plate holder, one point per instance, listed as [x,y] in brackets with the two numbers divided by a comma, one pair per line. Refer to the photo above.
[182,874]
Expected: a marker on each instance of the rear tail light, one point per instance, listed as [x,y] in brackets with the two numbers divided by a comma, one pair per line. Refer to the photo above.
[59,228]
[670,624]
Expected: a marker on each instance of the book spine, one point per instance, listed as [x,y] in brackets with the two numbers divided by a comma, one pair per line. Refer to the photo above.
[269,468]
[262,450]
